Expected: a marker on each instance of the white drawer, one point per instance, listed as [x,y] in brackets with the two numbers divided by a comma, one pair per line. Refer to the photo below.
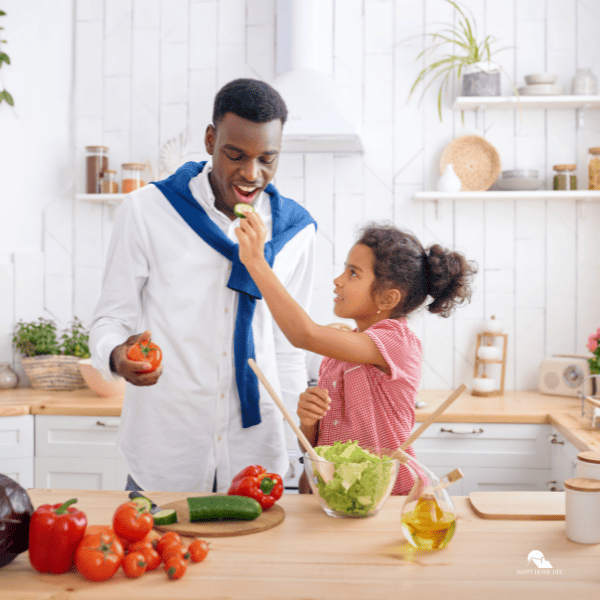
[76,436]
[80,473]
[18,469]
[489,445]
[16,437]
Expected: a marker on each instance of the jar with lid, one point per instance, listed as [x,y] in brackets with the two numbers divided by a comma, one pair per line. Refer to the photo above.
[584,83]
[594,169]
[565,177]
[108,183]
[96,163]
[582,510]
[588,464]
[131,178]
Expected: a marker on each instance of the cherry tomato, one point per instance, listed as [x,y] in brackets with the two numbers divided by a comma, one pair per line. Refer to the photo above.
[148,352]
[137,546]
[131,522]
[152,536]
[175,567]
[166,539]
[134,565]
[152,557]
[198,550]
[175,549]
[98,556]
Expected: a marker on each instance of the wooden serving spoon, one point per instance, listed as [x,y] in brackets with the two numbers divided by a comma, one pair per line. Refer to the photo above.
[432,417]
[325,468]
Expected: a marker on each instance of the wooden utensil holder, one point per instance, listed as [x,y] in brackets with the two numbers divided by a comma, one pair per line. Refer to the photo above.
[482,340]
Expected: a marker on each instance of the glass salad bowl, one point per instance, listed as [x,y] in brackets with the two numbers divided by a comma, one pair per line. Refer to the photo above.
[363,480]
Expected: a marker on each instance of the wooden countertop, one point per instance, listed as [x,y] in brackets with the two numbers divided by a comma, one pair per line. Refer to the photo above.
[513,407]
[311,555]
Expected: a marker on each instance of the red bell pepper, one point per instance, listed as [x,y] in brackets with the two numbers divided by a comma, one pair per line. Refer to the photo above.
[256,483]
[55,530]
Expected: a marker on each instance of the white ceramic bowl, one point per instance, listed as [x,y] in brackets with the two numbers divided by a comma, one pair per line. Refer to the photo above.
[541,89]
[97,383]
[541,78]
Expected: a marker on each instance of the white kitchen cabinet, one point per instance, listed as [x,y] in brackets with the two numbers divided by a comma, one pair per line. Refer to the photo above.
[78,452]
[17,449]
[563,459]
[492,456]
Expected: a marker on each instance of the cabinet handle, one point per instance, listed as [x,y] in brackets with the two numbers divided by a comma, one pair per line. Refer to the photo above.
[103,424]
[462,430]
[553,439]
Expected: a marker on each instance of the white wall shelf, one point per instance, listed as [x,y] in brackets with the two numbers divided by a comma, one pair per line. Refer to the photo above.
[512,195]
[101,198]
[500,102]
[480,103]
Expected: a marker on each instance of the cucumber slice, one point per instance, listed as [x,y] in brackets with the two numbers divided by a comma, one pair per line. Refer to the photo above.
[165,517]
[143,504]
[241,208]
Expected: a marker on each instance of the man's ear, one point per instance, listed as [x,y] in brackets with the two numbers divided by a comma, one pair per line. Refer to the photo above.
[389,299]
[210,139]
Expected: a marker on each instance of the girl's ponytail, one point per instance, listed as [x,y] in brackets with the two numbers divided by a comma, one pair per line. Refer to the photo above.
[449,276]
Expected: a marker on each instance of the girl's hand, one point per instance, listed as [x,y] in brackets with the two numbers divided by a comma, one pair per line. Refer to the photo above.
[251,235]
[313,405]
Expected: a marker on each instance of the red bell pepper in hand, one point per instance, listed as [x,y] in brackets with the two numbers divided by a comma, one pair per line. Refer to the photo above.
[256,483]
[54,533]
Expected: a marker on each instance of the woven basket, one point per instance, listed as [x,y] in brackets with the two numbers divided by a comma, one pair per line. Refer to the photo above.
[53,372]
[475,161]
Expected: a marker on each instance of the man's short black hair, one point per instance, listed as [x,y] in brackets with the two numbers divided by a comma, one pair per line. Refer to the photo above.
[250,99]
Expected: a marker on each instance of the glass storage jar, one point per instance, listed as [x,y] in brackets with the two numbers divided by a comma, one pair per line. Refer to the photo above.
[594,169]
[584,83]
[131,177]
[96,163]
[109,185]
[565,177]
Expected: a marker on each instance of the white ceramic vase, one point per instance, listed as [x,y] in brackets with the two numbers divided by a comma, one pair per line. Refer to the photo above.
[449,181]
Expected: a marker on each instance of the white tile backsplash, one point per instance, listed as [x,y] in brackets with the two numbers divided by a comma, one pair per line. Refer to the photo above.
[145,70]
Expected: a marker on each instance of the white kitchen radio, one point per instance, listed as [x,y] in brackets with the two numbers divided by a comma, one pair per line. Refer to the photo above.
[564,374]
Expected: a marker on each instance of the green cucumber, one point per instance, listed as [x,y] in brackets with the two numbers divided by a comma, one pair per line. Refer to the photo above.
[142,503]
[165,517]
[241,208]
[225,508]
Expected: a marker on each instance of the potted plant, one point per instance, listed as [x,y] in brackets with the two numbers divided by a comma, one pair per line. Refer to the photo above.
[469,58]
[49,363]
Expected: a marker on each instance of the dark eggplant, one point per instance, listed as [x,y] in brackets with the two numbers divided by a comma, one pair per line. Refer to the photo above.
[15,513]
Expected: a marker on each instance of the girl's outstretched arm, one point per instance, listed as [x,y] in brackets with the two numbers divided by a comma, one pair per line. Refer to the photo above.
[294,322]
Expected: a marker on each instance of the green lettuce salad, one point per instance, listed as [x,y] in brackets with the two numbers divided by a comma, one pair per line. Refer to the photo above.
[360,481]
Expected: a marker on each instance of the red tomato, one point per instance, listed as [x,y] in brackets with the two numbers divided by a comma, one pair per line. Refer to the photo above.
[98,556]
[166,539]
[175,549]
[175,567]
[134,565]
[145,351]
[152,557]
[131,523]
[198,550]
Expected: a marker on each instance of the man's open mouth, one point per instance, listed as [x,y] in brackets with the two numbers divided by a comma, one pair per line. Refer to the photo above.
[245,193]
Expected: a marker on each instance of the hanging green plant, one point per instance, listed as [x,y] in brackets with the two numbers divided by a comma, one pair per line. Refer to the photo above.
[4,58]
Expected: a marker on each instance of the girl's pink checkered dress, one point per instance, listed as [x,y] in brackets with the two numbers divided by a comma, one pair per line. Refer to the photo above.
[367,405]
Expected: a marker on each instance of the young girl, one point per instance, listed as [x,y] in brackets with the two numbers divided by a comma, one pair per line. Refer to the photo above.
[369,379]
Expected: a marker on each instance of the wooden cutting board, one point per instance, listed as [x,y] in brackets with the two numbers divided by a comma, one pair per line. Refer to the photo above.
[267,519]
[519,506]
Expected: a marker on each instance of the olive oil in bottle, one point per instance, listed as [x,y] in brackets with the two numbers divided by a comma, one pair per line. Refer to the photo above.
[427,527]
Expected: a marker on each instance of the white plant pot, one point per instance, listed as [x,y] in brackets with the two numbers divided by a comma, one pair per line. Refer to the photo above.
[449,181]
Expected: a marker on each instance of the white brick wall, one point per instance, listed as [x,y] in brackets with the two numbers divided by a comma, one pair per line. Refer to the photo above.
[147,69]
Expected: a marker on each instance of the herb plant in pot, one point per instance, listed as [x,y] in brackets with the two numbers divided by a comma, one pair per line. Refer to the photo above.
[468,57]
[49,363]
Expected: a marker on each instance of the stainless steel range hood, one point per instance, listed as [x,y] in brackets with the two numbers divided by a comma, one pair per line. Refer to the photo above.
[316,120]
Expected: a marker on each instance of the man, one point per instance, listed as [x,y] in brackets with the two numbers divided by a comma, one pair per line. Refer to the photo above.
[173,273]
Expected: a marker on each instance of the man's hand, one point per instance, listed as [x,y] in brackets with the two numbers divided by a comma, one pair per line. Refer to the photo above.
[313,405]
[130,369]
[251,235]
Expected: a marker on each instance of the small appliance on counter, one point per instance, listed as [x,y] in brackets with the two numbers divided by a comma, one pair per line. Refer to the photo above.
[564,375]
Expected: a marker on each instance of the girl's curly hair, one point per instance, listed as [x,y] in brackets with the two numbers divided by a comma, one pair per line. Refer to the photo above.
[401,262]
